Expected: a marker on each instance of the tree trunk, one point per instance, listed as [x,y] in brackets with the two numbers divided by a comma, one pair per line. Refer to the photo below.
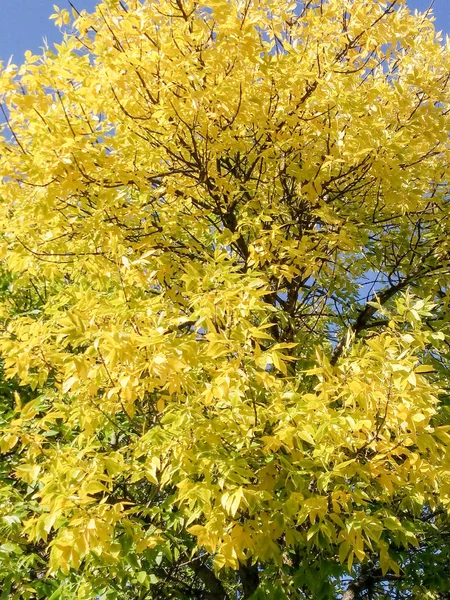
[352,592]
[214,587]
[249,577]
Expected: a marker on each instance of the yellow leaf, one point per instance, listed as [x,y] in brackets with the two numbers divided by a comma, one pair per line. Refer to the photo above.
[68,384]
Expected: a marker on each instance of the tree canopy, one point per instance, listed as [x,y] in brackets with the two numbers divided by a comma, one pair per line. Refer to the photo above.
[224,304]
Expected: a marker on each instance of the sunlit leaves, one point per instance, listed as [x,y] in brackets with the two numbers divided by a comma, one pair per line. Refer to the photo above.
[225,231]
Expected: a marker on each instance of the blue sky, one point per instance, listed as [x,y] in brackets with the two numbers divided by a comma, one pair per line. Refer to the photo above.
[441,11]
[24,23]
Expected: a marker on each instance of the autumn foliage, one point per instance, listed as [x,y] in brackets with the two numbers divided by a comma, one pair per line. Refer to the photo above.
[224,308]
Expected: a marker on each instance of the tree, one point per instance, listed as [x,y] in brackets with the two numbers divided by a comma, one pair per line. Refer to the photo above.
[229,371]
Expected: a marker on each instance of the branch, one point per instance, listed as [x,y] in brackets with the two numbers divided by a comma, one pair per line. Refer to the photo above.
[366,581]
[12,130]
[368,311]
[365,315]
